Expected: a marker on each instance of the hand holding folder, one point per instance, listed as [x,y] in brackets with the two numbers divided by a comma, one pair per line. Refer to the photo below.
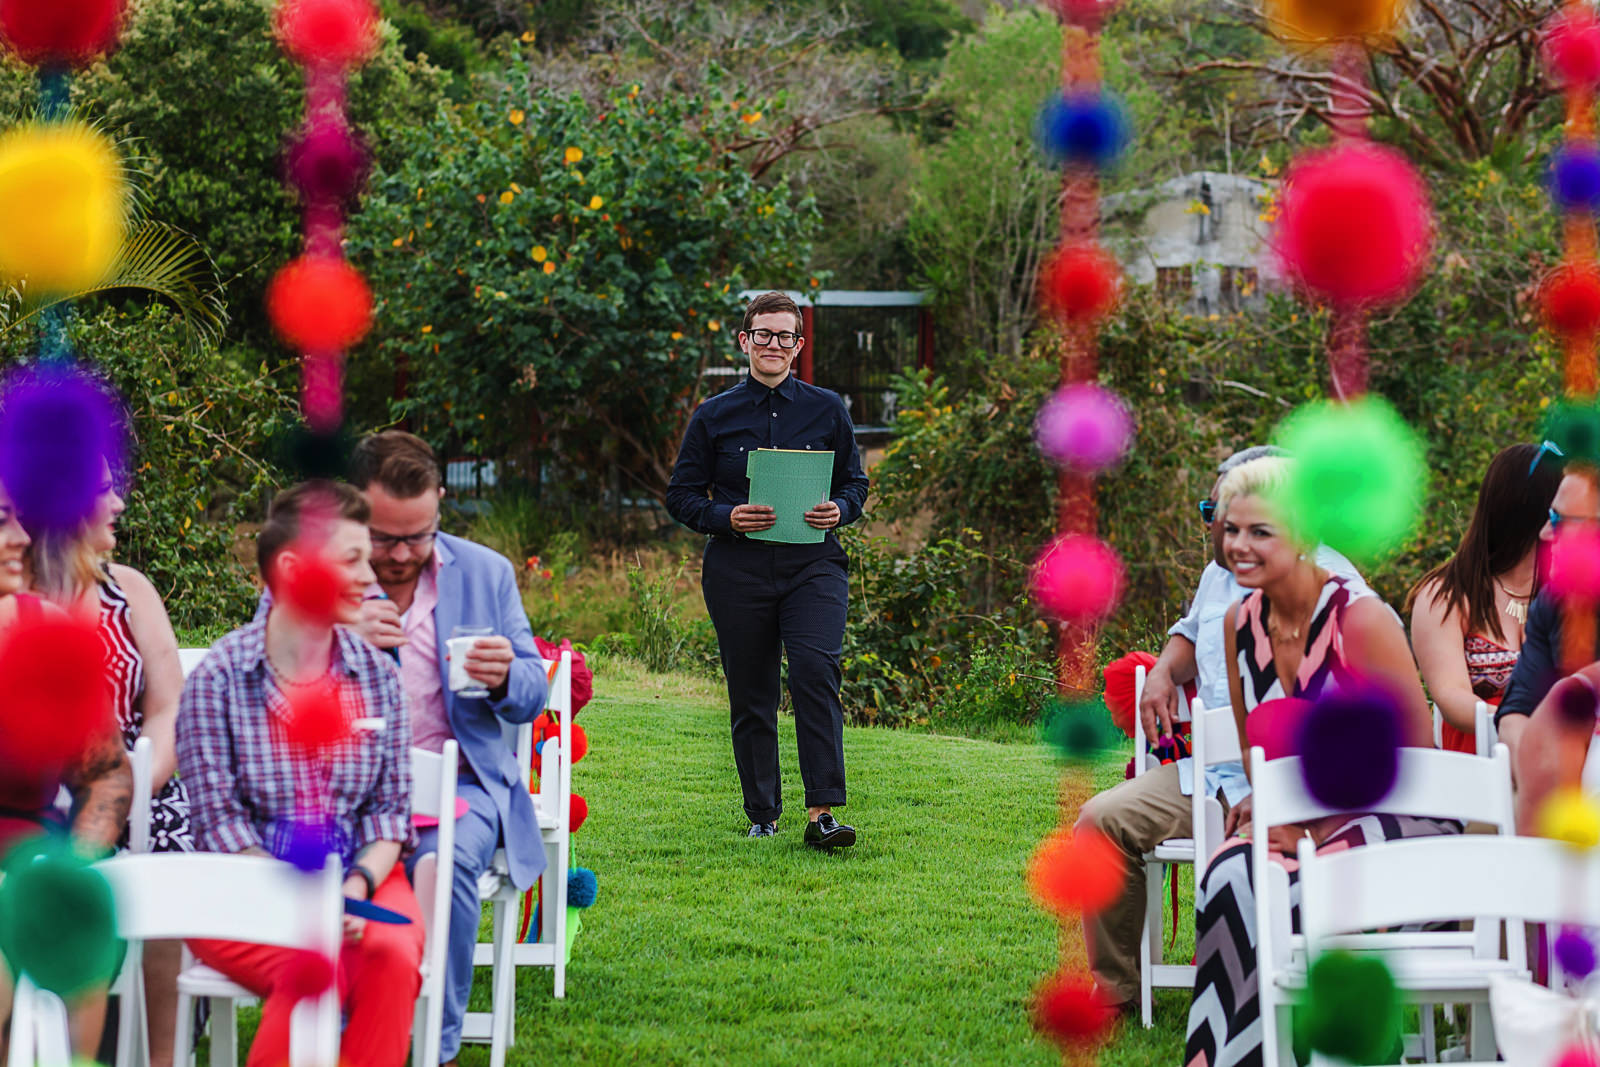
[791,482]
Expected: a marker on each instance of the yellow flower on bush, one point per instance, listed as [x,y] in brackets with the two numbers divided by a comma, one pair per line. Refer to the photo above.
[595,203]
[517,116]
[574,154]
[427,329]
[549,267]
[713,325]
[751,117]
[677,335]
[528,37]
[539,253]
[507,196]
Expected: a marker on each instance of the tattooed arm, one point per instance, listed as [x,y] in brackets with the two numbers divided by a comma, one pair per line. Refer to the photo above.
[101,784]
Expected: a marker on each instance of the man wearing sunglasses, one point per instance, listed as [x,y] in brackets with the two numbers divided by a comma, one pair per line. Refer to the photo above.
[770,600]
[1140,813]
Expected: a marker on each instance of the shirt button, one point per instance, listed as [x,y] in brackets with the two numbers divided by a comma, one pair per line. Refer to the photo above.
[774,414]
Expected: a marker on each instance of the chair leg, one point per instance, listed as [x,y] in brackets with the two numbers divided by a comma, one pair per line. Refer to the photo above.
[1484,1046]
[1149,942]
[182,1054]
[224,1033]
[502,979]
[559,906]
[1430,1039]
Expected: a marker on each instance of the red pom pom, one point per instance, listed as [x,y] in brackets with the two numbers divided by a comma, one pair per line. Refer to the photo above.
[1089,14]
[1355,225]
[1071,1012]
[1575,563]
[320,304]
[55,33]
[1120,695]
[578,812]
[316,718]
[1572,49]
[312,587]
[1077,579]
[1080,283]
[339,33]
[580,743]
[1570,300]
[1076,873]
[1577,1056]
[54,699]
[306,974]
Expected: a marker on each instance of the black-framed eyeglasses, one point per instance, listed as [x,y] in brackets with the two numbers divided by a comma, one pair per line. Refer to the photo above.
[382,542]
[1208,511]
[1547,446]
[784,338]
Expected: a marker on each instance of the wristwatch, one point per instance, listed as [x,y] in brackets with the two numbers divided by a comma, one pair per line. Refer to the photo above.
[367,877]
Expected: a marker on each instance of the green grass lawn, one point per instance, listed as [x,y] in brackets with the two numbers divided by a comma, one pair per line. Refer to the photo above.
[920,945]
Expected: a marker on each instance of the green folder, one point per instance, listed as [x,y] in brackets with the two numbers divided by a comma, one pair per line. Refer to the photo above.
[790,481]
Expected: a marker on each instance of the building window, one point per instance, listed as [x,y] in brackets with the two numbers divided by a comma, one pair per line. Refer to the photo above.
[1175,282]
[1238,285]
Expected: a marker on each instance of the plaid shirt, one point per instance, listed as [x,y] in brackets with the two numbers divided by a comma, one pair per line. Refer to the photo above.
[245,783]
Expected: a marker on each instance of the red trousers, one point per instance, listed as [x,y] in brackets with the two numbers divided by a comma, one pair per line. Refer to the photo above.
[378,980]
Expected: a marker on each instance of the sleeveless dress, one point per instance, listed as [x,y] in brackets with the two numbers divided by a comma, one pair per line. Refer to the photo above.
[169,809]
[1225,1016]
[1489,666]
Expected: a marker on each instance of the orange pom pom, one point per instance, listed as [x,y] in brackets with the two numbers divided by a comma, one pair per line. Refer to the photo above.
[320,304]
[1070,1011]
[1076,874]
[1080,283]
[1319,21]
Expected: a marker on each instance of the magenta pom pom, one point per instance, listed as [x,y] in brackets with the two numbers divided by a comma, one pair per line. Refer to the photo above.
[1575,563]
[1084,427]
[1350,746]
[59,431]
[1355,225]
[1078,579]
[1572,49]
[1577,1056]
[1575,953]
[1575,703]
[1090,14]
[327,163]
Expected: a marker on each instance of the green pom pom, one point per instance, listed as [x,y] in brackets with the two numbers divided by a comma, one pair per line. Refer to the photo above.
[57,919]
[1350,1010]
[1079,731]
[1575,429]
[1357,479]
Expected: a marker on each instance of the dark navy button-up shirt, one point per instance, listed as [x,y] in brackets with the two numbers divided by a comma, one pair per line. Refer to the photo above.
[728,427]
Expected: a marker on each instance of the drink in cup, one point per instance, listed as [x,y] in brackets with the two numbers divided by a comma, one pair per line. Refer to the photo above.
[462,638]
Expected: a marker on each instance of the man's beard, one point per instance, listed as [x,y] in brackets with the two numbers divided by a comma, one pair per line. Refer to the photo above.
[399,573]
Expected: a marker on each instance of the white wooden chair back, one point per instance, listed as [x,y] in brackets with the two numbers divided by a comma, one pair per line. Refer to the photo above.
[433,793]
[1486,735]
[190,658]
[175,895]
[142,759]
[1142,759]
[39,1030]
[1214,739]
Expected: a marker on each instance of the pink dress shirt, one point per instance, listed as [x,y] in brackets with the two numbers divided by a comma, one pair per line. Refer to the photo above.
[419,663]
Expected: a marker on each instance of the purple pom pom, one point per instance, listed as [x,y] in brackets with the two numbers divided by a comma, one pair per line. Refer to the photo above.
[60,429]
[304,843]
[1575,953]
[1575,703]
[1349,746]
[1087,129]
[1575,177]
[327,163]
[1084,427]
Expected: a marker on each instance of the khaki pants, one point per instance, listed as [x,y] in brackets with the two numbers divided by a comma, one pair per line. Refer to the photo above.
[1136,816]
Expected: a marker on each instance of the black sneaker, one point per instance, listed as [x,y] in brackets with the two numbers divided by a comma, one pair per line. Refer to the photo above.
[827,832]
[762,829]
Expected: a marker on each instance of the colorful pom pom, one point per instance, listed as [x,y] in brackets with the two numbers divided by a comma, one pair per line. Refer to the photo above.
[304,843]
[1575,563]
[582,887]
[1350,1010]
[54,691]
[61,33]
[1575,703]
[1080,731]
[1357,480]
[580,742]
[1070,1011]
[1077,579]
[1324,21]
[578,813]
[313,586]
[1575,177]
[1354,225]
[320,304]
[334,33]
[57,919]
[1090,14]
[1076,873]
[1349,746]
[1577,1056]
[1572,49]
[1121,678]
[1575,953]
[307,974]
[1084,428]
[316,717]
[1080,283]
[1082,129]
[1569,816]
[59,432]
[62,206]
[327,163]
[1575,429]
[1274,726]
[1569,297]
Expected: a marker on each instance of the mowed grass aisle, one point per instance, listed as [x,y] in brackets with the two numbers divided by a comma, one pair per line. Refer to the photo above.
[920,945]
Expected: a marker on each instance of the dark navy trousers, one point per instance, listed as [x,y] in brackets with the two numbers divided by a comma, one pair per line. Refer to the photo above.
[767,600]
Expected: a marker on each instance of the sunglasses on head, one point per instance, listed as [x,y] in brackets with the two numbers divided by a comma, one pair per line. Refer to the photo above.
[1208,511]
[1546,447]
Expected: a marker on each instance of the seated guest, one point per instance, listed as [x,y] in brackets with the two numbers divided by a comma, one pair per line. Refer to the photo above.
[1467,614]
[146,678]
[1297,631]
[1140,813]
[245,783]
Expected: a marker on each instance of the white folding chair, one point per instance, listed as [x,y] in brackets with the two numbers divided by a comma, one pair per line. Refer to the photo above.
[40,1035]
[235,898]
[133,1031]
[190,658]
[504,954]
[1430,784]
[1153,973]
[1510,879]
[433,793]
[1484,734]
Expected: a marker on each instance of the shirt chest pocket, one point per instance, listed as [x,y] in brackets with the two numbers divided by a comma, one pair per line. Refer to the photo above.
[733,459]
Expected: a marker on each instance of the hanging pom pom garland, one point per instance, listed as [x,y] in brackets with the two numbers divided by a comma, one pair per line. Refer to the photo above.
[1349,746]
[61,430]
[1572,49]
[1575,952]
[61,33]
[1070,1011]
[1076,873]
[1082,129]
[55,694]
[57,919]
[1080,284]
[1575,176]
[1350,1010]
[1085,428]
[328,33]
[1330,21]
[62,203]
[1078,579]
[1569,299]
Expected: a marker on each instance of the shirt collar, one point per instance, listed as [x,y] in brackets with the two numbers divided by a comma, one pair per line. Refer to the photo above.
[760,393]
[253,648]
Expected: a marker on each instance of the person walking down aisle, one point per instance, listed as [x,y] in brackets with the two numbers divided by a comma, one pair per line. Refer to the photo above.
[768,599]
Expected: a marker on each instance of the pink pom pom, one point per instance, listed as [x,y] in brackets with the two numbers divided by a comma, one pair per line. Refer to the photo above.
[1089,14]
[1575,563]
[1078,579]
[1572,49]
[337,33]
[327,164]
[1355,225]
[1080,283]
[1084,427]
[1577,1056]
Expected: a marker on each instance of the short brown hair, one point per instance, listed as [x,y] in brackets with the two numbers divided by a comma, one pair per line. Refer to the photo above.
[403,463]
[288,508]
[767,303]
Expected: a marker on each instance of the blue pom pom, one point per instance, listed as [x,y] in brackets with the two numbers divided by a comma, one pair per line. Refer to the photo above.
[1349,745]
[60,429]
[581,887]
[1575,953]
[1575,177]
[1087,129]
[304,844]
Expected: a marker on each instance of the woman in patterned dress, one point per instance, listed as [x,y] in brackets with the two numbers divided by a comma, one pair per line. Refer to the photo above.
[1467,614]
[1296,633]
[146,679]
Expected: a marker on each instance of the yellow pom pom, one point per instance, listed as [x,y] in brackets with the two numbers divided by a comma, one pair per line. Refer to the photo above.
[1570,816]
[1321,21]
[62,204]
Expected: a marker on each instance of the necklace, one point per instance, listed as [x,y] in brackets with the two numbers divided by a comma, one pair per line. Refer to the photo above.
[1516,606]
[282,676]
